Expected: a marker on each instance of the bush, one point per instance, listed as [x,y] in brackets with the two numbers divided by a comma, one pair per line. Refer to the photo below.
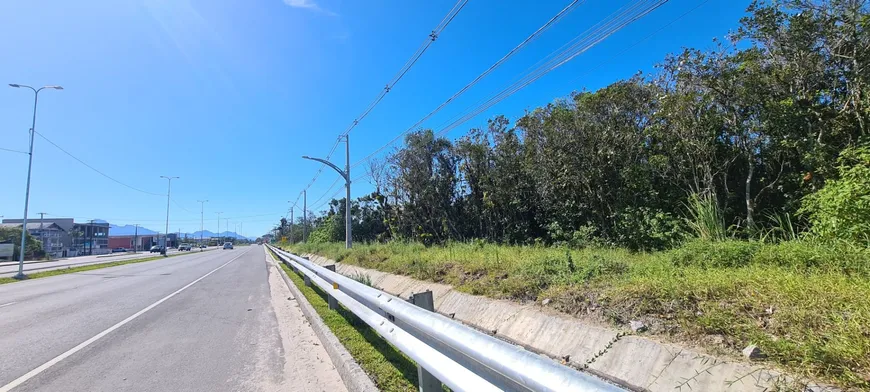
[841,210]
[642,228]
[710,254]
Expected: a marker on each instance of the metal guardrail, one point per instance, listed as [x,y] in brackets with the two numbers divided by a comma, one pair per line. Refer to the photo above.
[461,357]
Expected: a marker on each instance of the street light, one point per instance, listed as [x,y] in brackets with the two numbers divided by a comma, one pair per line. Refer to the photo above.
[168,191]
[219,227]
[348,238]
[20,274]
[201,227]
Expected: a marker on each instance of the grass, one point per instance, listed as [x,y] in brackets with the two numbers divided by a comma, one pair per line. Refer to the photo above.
[83,268]
[803,303]
[387,367]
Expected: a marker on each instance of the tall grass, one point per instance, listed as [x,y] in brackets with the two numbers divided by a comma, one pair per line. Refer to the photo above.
[706,219]
[803,302]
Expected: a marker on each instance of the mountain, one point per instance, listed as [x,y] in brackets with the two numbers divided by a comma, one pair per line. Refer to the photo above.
[208,234]
[205,234]
[129,230]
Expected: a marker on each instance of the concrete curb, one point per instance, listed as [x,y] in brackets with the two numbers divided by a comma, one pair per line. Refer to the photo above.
[353,376]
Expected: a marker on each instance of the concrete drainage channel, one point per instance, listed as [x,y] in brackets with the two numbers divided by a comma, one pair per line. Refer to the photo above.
[446,352]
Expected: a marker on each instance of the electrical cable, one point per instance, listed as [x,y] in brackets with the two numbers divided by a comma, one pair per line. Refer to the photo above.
[460,4]
[95,169]
[555,19]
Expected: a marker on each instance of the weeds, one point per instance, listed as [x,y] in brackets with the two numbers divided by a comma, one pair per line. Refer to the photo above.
[803,302]
[706,218]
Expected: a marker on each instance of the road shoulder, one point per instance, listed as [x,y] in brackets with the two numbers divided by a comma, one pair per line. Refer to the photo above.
[307,365]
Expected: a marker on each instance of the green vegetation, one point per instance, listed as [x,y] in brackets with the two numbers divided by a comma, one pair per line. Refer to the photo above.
[803,302]
[83,268]
[387,367]
[725,196]
[33,247]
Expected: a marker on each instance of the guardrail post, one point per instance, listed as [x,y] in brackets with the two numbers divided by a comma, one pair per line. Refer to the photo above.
[307,280]
[428,382]
[333,303]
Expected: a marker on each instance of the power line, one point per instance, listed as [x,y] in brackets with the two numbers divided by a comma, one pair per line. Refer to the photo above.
[95,169]
[555,19]
[460,4]
[577,46]
[638,42]
[10,150]
[127,221]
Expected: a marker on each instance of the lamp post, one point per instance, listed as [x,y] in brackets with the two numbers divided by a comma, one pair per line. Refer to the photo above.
[348,238]
[20,274]
[219,227]
[201,220]
[168,191]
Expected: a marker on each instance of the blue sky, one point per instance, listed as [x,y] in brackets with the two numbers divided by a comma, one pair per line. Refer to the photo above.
[229,94]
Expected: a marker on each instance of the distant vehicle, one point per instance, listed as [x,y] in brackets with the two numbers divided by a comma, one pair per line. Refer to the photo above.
[228,245]
[156,249]
[183,247]
[119,250]
[202,247]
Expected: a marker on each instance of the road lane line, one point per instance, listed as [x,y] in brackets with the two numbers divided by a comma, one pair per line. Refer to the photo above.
[21,380]
[11,303]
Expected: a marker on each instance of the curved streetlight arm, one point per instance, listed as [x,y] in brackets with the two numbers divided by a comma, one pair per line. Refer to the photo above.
[328,163]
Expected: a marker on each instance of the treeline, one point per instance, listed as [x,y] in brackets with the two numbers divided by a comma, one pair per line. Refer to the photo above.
[755,128]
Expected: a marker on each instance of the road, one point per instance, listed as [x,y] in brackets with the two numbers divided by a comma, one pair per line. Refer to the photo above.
[212,321]
[11,268]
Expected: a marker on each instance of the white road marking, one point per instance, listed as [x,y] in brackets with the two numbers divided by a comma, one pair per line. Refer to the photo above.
[21,380]
[11,303]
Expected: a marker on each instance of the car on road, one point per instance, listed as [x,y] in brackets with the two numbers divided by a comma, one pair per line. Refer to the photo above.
[119,250]
[228,245]
[156,249]
[202,247]
[183,247]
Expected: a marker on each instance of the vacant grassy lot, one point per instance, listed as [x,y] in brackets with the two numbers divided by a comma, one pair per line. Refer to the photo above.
[805,304]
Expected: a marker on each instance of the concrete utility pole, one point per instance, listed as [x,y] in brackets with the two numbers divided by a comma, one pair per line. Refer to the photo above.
[41,229]
[227,220]
[21,251]
[201,220]
[348,223]
[304,216]
[168,192]
[219,228]
[136,239]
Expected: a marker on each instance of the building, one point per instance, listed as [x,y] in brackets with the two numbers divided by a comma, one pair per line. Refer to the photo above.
[50,234]
[133,242]
[76,239]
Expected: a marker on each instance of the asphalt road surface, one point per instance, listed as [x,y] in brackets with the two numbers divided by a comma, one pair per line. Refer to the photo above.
[11,268]
[213,321]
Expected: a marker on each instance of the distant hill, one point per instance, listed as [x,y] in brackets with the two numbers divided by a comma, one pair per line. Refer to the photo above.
[131,230]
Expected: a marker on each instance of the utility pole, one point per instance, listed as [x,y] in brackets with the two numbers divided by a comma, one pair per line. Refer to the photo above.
[291,223]
[201,218]
[136,239]
[348,236]
[227,220]
[219,228]
[304,216]
[91,240]
[20,275]
[168,192]
[41,230]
